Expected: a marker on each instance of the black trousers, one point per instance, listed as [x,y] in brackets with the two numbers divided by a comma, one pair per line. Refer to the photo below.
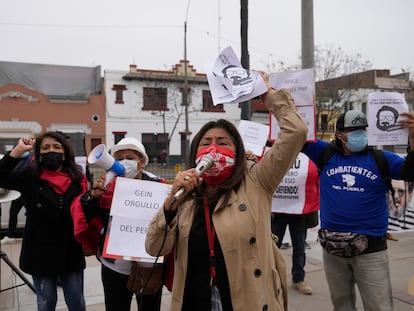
[118,297]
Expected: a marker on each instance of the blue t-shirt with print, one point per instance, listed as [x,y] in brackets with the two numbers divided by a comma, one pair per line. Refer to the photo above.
[353,192]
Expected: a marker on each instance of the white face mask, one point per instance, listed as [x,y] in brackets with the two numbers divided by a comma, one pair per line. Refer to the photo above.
[131,168]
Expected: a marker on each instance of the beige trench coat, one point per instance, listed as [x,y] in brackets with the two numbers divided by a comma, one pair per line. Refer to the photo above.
[255,268]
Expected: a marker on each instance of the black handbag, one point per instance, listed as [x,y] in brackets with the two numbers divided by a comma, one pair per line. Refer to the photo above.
[145,280]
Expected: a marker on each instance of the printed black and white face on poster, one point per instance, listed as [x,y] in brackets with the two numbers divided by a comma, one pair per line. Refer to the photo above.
[384,110]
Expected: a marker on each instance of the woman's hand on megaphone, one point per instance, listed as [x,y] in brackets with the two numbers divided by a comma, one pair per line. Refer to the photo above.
[98,187]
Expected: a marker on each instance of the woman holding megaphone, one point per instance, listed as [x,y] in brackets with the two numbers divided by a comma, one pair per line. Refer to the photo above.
[95,205]
[48,186]
[219,223]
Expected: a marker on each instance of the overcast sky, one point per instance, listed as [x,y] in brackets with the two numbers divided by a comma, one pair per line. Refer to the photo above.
[150,34]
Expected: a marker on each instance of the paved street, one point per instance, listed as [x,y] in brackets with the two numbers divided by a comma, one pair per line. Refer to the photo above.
[401,256]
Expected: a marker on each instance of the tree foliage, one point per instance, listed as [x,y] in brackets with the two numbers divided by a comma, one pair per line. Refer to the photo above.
[330,62]
[335,62]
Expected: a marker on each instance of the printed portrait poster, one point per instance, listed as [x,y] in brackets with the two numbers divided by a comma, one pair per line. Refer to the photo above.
[290,196]
[254,136]
[230,83]
[401,208]
[133,206]
[301,85]
[383,115]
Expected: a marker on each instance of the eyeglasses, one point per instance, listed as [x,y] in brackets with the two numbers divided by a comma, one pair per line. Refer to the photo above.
[386,118]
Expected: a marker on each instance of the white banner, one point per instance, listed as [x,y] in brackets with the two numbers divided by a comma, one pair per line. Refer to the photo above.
[133,206]
[301,85]
[254,136]
[383,114]
[290,196]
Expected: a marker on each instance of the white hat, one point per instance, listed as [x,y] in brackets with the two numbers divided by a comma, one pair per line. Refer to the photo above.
[7,195]
[132,144]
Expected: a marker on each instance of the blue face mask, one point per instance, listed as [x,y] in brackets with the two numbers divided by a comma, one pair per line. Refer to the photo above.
[357,140]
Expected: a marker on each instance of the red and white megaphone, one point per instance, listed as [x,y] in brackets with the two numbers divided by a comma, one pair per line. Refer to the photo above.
[101,157]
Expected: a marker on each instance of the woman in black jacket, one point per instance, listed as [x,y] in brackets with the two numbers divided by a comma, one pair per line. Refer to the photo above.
[48,185]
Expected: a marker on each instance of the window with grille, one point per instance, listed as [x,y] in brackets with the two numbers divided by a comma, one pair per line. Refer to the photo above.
[155,98]
[208,103]
[119,93]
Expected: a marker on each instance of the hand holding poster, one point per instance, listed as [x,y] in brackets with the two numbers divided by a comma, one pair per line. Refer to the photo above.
[230,83]
[301,85]
[383,113]
[134,204]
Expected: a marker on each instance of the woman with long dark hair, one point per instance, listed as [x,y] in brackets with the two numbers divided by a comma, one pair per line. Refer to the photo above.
[225,256]
[48,185]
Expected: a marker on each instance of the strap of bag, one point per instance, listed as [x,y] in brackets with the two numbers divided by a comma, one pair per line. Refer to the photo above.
[211,233]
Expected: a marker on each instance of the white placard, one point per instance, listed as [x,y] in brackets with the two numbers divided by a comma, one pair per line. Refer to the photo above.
[134,204]
[301,85]
[231,83]
[290,196]
[383,114]
[307,113]
[254,136]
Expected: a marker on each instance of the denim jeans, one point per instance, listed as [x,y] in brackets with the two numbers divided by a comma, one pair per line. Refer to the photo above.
[370,272]
[72,285]
[297,230]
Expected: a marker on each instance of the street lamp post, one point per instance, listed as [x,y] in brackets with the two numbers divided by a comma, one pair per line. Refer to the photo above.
[185,92]
[185,98]
[245,106]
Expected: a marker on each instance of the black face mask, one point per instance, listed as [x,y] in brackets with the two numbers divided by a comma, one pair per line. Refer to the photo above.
[51,160]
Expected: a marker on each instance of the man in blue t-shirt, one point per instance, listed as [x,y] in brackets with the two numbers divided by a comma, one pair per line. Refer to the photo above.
[354,213]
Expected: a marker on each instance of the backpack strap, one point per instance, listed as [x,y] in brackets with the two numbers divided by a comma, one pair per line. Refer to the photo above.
[382,165]
[326,154]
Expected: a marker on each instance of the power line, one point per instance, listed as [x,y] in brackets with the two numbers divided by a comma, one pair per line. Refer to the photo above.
[89,26]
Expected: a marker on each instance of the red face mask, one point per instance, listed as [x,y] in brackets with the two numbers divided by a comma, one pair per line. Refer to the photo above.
[223,163]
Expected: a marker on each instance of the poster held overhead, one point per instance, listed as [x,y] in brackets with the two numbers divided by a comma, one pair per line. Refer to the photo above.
[230,83]
[301,85]
[384,109]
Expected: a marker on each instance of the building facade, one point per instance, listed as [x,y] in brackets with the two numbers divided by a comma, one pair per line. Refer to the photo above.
[348,92]
[35,98]
[150,106]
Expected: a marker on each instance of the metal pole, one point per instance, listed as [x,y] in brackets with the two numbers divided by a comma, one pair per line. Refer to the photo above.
[307,35]
[185,93]
[245,61]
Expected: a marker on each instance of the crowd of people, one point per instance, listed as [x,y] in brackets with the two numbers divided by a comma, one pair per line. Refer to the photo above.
[215,226]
